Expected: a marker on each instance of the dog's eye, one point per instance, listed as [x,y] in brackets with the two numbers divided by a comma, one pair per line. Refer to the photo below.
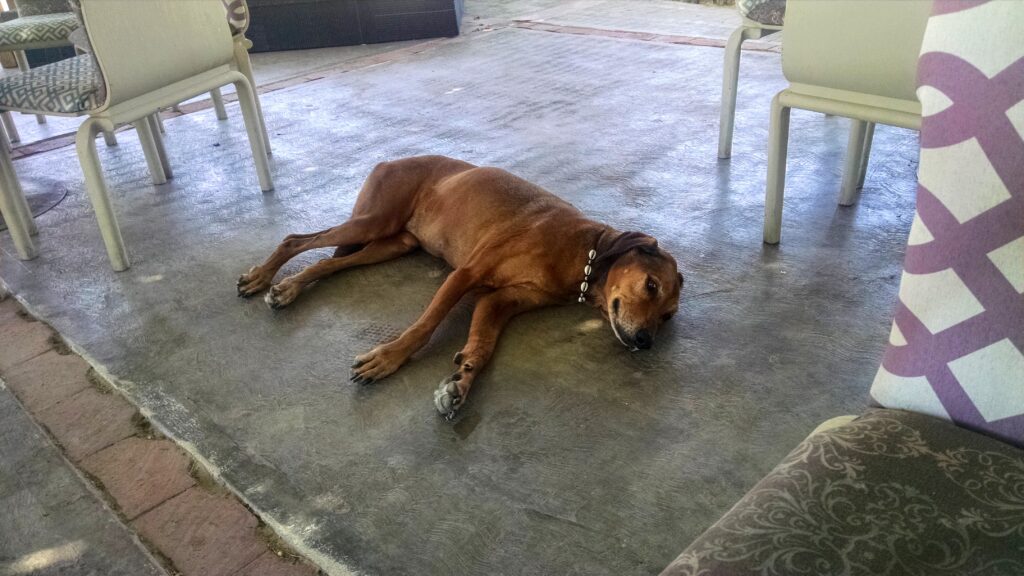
[652,286]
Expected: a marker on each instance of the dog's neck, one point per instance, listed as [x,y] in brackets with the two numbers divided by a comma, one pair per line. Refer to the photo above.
[597,238]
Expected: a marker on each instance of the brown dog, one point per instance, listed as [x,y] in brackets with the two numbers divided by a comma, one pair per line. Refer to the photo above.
[516,245]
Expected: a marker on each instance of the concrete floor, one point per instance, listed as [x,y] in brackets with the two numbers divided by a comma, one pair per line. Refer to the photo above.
[670,17]
[573,456]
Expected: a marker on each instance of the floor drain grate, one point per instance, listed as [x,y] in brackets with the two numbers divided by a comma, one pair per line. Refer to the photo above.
[379,333]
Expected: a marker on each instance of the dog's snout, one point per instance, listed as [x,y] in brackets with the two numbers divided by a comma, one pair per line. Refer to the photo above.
[644,339]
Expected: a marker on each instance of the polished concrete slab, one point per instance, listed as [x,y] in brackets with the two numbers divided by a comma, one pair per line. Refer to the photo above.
[51,523]
[668,17]
[506,9]
[574,456]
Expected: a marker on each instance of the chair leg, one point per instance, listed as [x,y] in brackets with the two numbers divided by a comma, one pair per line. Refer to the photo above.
[22,59]
[866,154]
[158,140]
[251,114]
[245,67]
[150,150]
[10,127]
[778,144]
[218,104]
[160,122]
[11,199]
[730,80]
[17,195]
[854,162]
[109,138]
[85,143]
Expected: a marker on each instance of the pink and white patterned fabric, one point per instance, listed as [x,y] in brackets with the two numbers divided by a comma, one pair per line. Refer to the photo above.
[956,349]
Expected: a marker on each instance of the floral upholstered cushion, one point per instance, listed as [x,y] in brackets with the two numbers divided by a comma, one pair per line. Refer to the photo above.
[67,87]
[956,348]
[892,493]
[771,12]
[45,28]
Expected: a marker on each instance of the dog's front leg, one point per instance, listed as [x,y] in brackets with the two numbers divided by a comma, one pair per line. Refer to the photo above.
[385,359]
[492,313]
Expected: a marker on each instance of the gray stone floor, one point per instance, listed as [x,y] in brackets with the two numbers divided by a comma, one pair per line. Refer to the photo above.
[669,17]
[573,456]
[51,523]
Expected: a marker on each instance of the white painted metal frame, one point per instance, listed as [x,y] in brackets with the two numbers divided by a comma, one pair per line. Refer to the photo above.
[749,30]
[863,118]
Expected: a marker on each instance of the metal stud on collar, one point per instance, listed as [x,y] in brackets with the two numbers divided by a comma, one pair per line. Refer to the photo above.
[585,285]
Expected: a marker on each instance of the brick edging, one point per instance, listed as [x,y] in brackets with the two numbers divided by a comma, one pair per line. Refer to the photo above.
[165,498]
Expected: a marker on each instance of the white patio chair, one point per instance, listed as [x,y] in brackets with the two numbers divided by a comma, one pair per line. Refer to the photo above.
[850,58]
[127,78]
[760,18]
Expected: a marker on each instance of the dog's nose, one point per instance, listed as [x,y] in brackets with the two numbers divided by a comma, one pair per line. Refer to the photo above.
[643,339]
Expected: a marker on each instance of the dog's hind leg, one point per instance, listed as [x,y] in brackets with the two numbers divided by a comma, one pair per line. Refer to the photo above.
[357,231]
[383,360]
[383,207]
[492,313]
[284,292]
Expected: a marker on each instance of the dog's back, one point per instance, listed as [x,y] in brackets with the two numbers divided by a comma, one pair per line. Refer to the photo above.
[465,207]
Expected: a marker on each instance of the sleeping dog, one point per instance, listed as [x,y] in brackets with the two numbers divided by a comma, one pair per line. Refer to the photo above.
[515,245]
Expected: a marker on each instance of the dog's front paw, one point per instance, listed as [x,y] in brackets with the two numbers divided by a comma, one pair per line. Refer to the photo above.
[448,398]
[378,363]
[281,295]
[252,282]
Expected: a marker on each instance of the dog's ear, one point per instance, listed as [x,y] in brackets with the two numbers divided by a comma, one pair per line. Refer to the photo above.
[608,249]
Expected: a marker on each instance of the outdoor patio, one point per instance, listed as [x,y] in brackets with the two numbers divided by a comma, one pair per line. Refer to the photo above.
[573,455]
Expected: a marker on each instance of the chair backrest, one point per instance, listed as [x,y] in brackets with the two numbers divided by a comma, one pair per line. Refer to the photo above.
[864,46]
[37,7]
[957,345]
[144,45]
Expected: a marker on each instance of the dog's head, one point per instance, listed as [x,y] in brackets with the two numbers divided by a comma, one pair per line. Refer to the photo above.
[641,287]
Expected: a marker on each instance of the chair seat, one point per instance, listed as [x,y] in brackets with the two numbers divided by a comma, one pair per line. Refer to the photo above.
[770,12]
[69,87]
[890,493]
[44,28]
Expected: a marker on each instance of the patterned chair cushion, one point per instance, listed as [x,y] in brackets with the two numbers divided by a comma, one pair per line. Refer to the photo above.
[956,348]
[238,15]
[771,12]
[68,87]
[35,7]
[45,28]
[891,493]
